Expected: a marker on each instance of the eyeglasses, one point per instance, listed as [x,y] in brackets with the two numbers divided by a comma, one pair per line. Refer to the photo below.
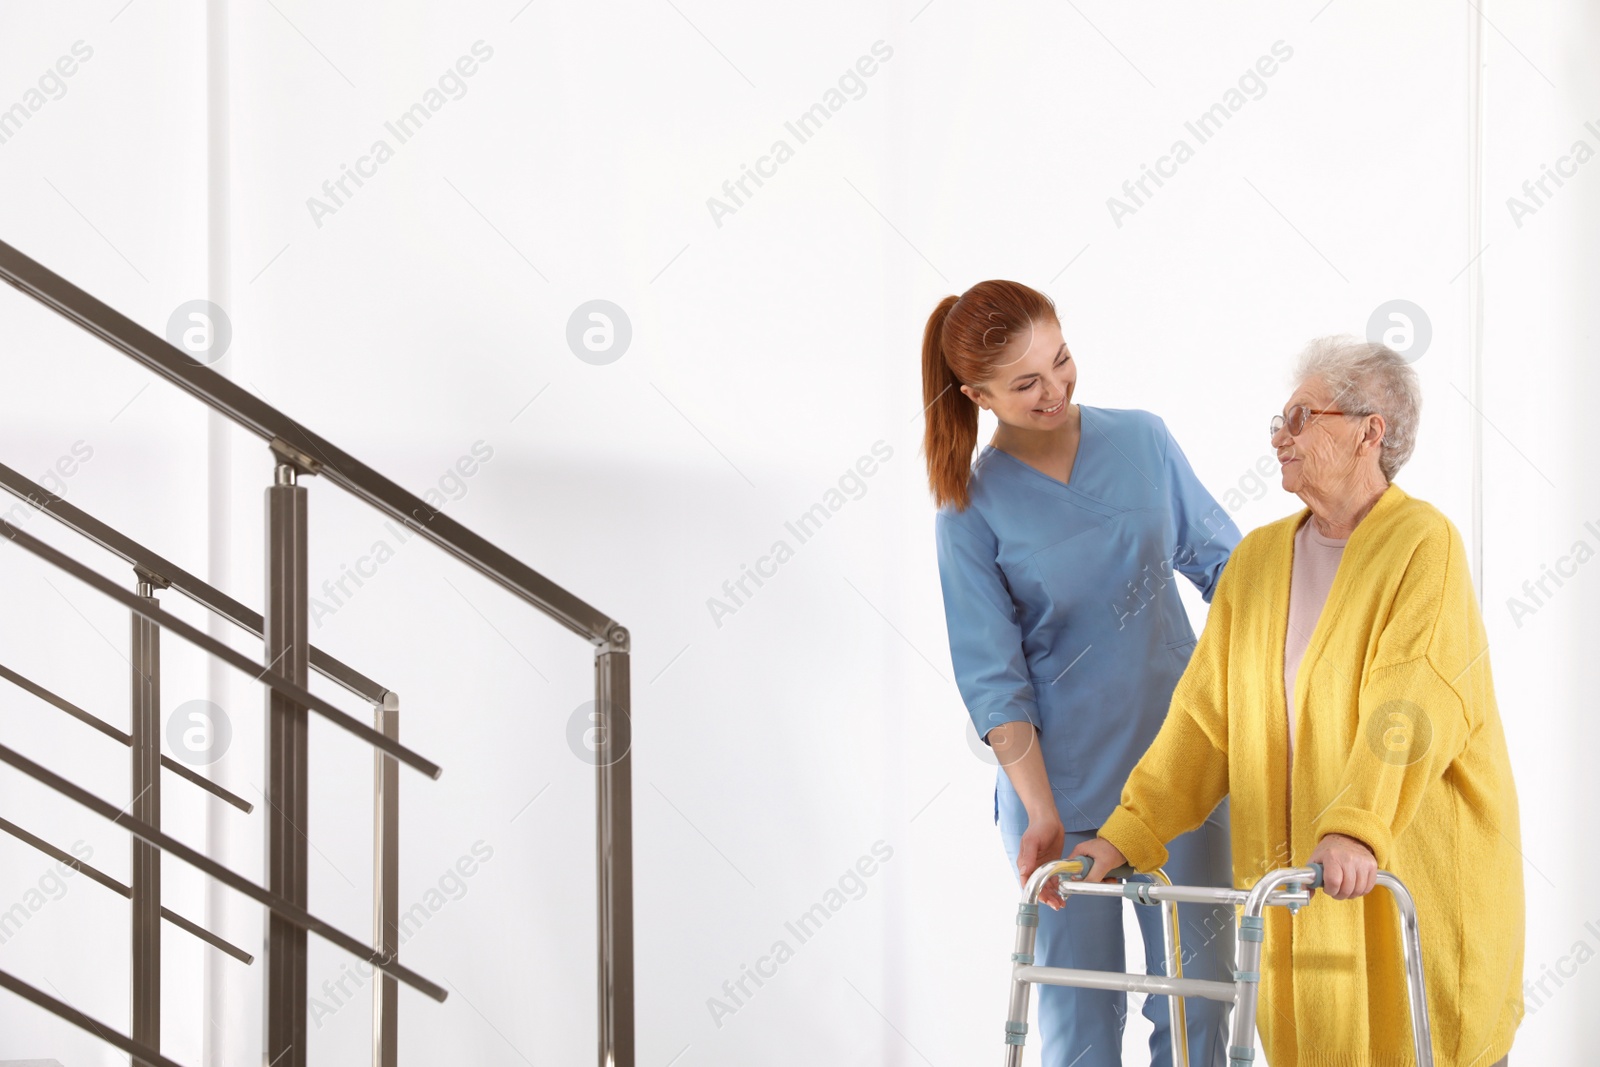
[1298,415]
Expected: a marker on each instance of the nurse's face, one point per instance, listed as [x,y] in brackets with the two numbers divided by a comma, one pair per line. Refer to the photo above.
[1033,380]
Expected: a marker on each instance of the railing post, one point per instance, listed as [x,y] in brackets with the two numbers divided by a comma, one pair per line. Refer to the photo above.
[145,785]
[285,628]
[386,885]
[614,849]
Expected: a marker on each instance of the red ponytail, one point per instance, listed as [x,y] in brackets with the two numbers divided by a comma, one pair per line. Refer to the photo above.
[961,345]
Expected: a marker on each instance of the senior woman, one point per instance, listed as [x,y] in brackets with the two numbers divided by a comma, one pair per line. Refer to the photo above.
[1341,697]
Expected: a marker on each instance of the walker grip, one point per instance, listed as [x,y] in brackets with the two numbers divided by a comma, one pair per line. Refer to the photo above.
[1085,865]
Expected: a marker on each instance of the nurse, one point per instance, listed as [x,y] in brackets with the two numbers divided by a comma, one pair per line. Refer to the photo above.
[1059,549]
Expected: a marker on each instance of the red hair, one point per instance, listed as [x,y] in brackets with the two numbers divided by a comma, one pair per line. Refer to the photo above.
[963,341]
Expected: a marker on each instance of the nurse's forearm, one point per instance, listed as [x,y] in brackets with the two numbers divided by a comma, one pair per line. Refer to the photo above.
[1016,745]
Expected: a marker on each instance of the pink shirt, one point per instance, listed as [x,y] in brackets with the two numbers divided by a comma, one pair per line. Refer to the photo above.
[1316,559]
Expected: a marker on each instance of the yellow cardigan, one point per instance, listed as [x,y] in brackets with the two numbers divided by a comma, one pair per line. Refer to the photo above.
[1398,743]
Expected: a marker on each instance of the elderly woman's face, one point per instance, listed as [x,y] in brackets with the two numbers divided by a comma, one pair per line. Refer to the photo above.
[1323,456]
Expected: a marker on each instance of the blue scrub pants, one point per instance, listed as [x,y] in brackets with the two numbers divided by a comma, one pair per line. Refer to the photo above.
[1083,1027]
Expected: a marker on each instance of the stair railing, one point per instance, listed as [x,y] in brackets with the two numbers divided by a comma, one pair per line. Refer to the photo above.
[297,452]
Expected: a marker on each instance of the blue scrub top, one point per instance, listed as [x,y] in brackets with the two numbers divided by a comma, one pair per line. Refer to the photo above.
[1062,606]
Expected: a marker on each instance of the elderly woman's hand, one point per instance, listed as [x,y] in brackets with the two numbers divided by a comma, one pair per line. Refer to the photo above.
[1348,867]
[1104,858]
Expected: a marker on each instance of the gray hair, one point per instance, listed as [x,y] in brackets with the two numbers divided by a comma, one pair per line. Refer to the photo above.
[1370,379]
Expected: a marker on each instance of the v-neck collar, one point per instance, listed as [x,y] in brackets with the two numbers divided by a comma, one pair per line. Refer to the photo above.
[1051,480]
[1354,549]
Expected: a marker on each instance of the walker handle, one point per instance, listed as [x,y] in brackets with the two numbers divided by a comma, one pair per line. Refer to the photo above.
[1085,865]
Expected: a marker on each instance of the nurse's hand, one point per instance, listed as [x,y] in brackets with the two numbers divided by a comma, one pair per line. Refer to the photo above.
[1042,843]
[1106,857]
[1349,869]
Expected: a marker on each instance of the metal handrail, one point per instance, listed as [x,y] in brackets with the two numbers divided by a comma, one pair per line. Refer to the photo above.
[163,573]
[126,739]
[298,449]
[311,450]
[141,1052]
[95,874]
[155,571]
[195,636]
[272,901]
[143,605]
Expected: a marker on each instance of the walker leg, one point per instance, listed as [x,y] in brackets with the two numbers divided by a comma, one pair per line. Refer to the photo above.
[1176,1012]
[1017,1018]
[1411,947]
[1247,980]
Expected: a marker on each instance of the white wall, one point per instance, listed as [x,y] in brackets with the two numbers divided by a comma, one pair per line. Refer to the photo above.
[769,353]
[1541,494]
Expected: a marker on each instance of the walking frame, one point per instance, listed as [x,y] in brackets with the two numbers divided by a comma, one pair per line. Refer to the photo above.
[1289,887]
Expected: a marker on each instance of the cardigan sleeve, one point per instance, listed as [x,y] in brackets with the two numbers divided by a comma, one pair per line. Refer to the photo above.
[1412,721]
[1183,775]
[1203,533]
[985,637]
